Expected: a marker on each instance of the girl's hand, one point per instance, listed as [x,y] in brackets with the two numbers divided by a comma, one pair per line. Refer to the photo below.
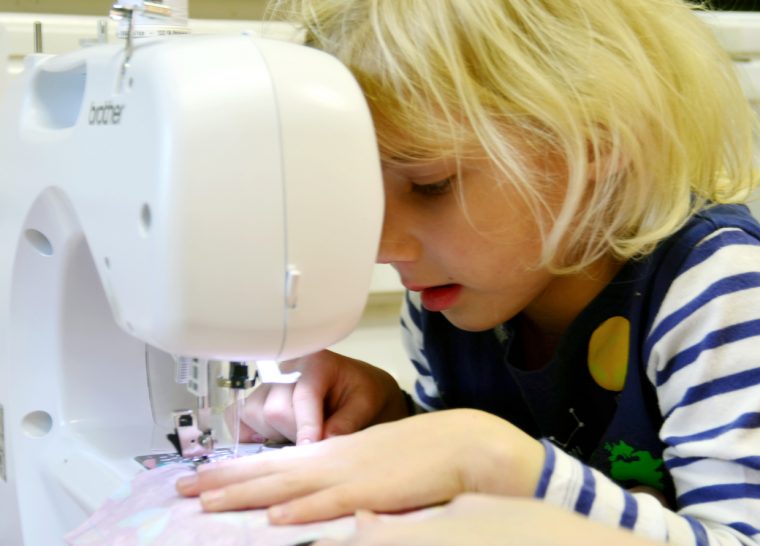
[486,520]
[420,461]
[334,395]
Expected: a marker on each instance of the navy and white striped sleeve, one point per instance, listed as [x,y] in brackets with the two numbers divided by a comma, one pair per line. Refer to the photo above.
[704,361]
[426,394]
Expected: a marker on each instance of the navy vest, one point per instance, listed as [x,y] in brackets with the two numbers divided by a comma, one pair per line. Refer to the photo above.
[615,431]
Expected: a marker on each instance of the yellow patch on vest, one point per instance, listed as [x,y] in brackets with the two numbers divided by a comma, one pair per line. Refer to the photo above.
[608,353]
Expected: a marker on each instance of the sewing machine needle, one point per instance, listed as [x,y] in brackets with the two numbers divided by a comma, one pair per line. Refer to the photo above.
[239,402]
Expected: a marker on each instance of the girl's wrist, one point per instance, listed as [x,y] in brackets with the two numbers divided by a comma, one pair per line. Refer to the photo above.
[501,460]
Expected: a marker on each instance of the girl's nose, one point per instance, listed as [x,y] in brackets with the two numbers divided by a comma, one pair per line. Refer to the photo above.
[392,251]
[397,244]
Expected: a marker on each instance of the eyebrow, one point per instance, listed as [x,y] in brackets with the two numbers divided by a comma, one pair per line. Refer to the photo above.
[403,160]
[411,160]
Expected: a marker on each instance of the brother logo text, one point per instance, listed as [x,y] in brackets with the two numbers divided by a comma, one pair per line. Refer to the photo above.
[106,113]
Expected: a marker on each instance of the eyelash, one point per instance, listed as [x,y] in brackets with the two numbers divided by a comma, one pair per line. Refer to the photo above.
[431,190]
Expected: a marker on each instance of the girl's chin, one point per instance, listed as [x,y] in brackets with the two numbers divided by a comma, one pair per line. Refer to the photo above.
[470,322]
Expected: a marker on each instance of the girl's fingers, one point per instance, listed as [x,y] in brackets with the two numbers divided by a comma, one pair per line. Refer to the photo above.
[253,428]
[352,416]
[277,414]
[262,492]
[346,497]
[325,504]
[247,434]
[366,518]
[308,407]
[244,469]
[223,473]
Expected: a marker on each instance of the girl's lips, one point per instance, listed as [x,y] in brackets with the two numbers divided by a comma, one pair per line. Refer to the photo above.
[440,298]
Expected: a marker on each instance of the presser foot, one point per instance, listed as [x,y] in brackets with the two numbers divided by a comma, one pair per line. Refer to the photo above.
[190,441]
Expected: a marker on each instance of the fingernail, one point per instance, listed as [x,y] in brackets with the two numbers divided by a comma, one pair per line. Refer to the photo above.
[366,515]
[212,499]
[279,513]
[186,483]
[213,465]
[365,518]
[258,439]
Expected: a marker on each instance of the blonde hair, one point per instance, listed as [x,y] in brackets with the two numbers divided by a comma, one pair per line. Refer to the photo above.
[636,97]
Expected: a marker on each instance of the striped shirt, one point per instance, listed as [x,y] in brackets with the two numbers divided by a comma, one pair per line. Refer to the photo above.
[657,383]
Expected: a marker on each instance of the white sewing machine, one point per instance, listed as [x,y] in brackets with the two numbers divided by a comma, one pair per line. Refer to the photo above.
[215,197]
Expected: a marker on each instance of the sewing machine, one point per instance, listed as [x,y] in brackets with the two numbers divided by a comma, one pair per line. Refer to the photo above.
[197,199]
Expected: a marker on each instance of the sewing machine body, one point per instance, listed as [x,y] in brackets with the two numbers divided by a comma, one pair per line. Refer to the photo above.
[216,197]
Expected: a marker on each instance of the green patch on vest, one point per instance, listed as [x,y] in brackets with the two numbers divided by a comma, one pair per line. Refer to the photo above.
[629,464]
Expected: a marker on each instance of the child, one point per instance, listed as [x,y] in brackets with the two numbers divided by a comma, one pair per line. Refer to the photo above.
[583,300]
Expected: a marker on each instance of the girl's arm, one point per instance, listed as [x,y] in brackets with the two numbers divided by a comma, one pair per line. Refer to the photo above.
[704,361]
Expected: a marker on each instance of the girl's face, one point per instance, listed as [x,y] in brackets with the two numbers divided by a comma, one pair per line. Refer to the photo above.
[478,272]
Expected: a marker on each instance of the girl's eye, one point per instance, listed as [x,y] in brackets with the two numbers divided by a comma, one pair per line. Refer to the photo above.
[436,188]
